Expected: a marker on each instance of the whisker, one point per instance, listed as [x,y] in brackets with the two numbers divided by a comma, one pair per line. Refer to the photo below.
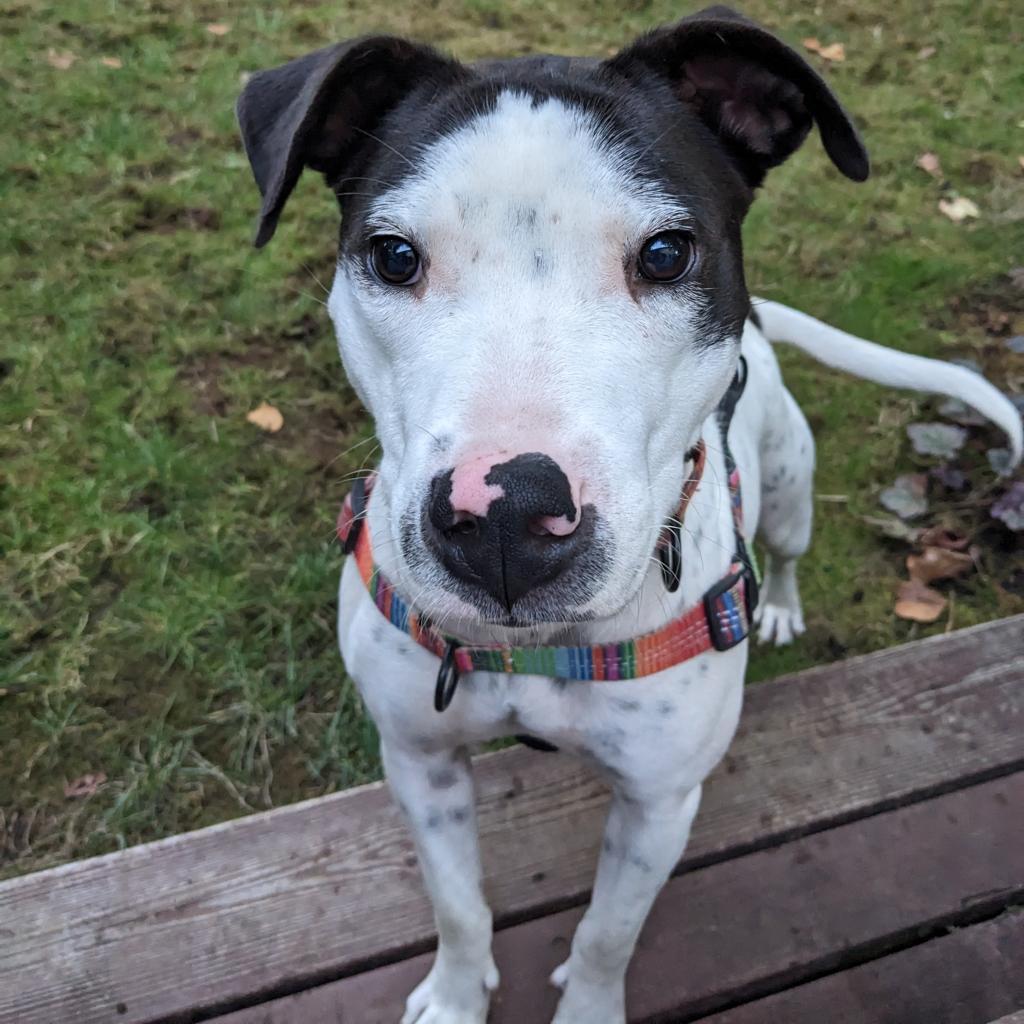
[386,145]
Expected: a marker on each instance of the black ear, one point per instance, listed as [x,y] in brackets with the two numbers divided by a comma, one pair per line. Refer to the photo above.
[755,93]
[317,111]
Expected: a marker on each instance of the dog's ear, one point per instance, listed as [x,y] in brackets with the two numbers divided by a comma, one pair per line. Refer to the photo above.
[755,93]
[317,111]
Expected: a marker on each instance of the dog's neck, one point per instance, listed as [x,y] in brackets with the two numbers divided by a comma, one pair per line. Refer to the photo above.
[708,543]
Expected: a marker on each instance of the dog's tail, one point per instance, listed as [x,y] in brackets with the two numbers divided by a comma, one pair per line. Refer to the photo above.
[887,366]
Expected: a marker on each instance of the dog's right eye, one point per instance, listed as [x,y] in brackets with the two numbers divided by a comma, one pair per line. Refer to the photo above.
[394,260]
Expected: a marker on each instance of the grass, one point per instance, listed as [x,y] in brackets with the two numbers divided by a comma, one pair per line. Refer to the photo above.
[167,572]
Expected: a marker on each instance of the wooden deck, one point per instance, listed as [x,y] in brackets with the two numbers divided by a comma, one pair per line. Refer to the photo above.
[859,858]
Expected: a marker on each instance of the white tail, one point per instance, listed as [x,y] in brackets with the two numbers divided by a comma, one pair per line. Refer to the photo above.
[887,366]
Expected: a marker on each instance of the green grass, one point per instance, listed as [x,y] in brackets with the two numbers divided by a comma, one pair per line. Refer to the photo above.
[168,572]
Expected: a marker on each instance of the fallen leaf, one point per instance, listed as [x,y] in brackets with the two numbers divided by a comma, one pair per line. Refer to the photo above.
[85,785]
[938,564]
[941,537]
[60,59]
[1010,507]
[906,496]
[266,417]
[895,528]
[939,439]
[929,163]
[112,62]
[918,603]
[1000,461]
[960,412]
[959,208]
[218,29]
[925,52]
[835,52]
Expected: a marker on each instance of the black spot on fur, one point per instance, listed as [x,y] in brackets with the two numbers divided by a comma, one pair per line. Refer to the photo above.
[621,704]
[442,778]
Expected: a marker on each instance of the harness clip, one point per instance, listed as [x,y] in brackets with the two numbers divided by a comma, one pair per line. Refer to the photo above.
[723,635]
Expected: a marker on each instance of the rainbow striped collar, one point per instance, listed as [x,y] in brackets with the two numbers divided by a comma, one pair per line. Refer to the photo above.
[719,621]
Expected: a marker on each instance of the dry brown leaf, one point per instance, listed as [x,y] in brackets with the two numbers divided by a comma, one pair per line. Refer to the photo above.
[919,603]
[938,564]
[929,163]
[835,52]
[60,59]
[218,29]
[85,785]
[959,209]
[266,417]
[940,537]
[925,52]
[112,62]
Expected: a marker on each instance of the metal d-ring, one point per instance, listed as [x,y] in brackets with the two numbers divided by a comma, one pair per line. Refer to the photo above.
[671,557]
[447,679]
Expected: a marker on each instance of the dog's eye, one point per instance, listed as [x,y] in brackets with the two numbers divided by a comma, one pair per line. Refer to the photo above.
[394,260]
[667,257]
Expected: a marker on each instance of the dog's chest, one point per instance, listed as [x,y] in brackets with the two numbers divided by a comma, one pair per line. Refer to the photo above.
[676,721]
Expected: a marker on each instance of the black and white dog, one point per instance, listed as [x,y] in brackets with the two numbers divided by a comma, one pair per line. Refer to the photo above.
[540,299]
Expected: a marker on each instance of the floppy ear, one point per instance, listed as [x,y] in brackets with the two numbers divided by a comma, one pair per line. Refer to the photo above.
[754,92]
[318,110]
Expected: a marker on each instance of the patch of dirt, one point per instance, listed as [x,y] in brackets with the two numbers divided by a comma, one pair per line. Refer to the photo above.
[163,219]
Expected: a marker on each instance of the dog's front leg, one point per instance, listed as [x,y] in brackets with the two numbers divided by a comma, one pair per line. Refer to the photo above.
[644,839]
[435,791]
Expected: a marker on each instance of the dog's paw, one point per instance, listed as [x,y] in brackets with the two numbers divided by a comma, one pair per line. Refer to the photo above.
[452,995]
[780,624]
[585,1000]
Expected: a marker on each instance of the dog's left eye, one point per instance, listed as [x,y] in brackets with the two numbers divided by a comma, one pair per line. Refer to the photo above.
[394,260]
[667,257]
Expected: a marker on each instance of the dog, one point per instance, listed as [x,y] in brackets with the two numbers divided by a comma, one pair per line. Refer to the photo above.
[540,300]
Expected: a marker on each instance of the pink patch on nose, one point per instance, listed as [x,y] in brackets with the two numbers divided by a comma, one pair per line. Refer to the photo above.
[555,526]
[471,494]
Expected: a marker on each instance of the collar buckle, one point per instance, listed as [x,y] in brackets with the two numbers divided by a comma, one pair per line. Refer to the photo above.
[726,627]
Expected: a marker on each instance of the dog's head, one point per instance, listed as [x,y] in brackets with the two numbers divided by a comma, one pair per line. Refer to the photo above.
[539,292]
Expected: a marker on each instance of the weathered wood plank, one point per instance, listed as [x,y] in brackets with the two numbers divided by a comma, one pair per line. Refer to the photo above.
[752,924]
[318,890]
[962,978]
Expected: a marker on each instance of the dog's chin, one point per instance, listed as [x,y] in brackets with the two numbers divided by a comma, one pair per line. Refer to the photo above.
[535,610]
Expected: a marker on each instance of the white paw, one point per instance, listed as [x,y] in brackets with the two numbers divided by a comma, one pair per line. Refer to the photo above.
[586,1000]
[452,995]
[779,623]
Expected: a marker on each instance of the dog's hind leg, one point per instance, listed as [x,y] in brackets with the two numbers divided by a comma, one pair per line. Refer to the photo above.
[787,477]
[435,792]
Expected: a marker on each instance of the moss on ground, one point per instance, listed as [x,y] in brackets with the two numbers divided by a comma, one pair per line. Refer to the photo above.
[168,572]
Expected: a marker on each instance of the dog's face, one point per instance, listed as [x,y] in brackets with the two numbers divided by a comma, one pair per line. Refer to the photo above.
[539,293]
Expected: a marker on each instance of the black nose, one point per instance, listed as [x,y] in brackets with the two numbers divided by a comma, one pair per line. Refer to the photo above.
[516,546]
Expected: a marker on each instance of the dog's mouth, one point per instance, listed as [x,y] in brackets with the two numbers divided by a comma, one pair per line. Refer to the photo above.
[518,588]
